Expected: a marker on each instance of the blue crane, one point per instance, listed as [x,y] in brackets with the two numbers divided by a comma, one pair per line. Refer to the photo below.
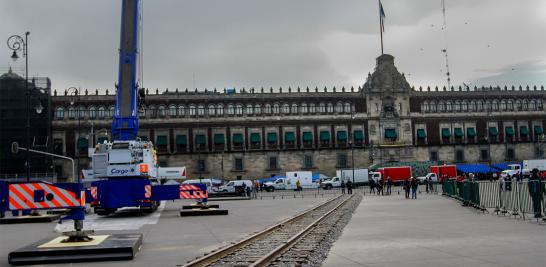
[125,123]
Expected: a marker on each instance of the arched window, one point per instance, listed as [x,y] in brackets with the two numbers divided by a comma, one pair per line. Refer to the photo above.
[201,110]
[533,105]
[92,113]
[518,105]
[111,111]
[480,106]
[503,105]
[239,109]
[472,106]
[192,110]
[424,106]
[81,112]
[441,107]
[539,104]
[220,110]
[348,108]
[464,106]
[268,109]
[257,109]
[276,108]
[212,110]
[285,109]
[449,106]
[457,106]
[231,109]
[339,107]
[295,108]
[181,111]
[59,113]
[322,107]
[172,111]
[510,105]
[161,111]
[102,112]
[249,109]
[330,108]
[312,108]
[304,109]
[525,104]
[433,106]
[495,105]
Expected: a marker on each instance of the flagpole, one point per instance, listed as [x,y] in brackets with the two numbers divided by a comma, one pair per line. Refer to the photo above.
[380,26]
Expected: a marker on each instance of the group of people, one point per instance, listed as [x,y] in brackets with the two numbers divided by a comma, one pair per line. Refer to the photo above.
[379,186]
[411,184]
[349,185]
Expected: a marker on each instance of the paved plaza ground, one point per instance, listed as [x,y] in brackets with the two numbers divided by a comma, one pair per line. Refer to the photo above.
[169,239]
[435,231]
[384,231]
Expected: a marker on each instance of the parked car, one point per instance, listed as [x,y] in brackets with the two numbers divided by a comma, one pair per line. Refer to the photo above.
[231,186]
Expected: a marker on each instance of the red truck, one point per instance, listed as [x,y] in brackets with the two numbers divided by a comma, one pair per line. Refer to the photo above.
[443,172]
[397,174]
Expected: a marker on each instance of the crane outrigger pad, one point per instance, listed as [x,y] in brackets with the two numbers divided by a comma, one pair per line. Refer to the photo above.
[202,212]
[103,248]
[30,219]
[200,206]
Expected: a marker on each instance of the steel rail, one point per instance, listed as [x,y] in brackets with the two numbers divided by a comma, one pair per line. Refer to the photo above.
[223,252]
[276,252]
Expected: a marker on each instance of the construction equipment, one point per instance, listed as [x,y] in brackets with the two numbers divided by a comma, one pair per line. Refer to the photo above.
[125,168]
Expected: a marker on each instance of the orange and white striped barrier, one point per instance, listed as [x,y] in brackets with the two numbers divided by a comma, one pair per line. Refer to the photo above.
[24,196]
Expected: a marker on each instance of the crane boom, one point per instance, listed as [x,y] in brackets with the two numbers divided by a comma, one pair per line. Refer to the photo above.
[125,122]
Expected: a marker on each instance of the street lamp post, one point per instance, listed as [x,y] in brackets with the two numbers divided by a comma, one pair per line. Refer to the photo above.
[351,143]
[74,91]
[16,43]
[488,141]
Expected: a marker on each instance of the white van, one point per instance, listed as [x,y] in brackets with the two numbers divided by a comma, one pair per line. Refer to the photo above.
[230,187]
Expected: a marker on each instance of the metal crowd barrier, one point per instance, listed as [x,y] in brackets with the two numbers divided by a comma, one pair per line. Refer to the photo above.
[524,199]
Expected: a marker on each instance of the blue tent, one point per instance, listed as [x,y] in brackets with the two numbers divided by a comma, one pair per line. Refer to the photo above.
[475,168]
[504,166]
[317,176]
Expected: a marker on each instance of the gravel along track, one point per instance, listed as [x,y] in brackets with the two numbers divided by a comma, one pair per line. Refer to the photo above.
[303,240]
[313,249]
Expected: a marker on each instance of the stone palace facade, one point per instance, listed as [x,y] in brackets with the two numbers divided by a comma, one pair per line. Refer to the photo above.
[256,133]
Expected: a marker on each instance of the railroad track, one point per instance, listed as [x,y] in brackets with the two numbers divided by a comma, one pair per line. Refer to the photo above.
[286,243]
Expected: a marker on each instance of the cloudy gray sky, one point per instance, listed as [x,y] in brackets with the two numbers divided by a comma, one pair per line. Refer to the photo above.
[249,43]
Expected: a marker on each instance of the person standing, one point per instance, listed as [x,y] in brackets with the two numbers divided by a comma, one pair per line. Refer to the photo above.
[380,186]
[349,187]
[343,186]
[535,190]
[431,185]
[389,185]
[372,185]
[425,182]
[298,185]
[406,187]
[414,186]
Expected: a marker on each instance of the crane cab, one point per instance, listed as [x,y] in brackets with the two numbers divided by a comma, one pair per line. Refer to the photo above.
[125,159]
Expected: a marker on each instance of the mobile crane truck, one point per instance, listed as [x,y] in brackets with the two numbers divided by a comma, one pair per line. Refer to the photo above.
[126,165]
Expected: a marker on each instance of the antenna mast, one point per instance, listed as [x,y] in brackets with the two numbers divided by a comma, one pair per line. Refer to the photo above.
[444,29]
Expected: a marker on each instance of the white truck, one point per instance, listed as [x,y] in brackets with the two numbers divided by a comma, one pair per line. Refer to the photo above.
[305,178]
[360,178]
[513,172]
[430,175]
[529,165]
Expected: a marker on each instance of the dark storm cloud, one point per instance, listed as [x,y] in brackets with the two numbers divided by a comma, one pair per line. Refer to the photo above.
[243,43]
